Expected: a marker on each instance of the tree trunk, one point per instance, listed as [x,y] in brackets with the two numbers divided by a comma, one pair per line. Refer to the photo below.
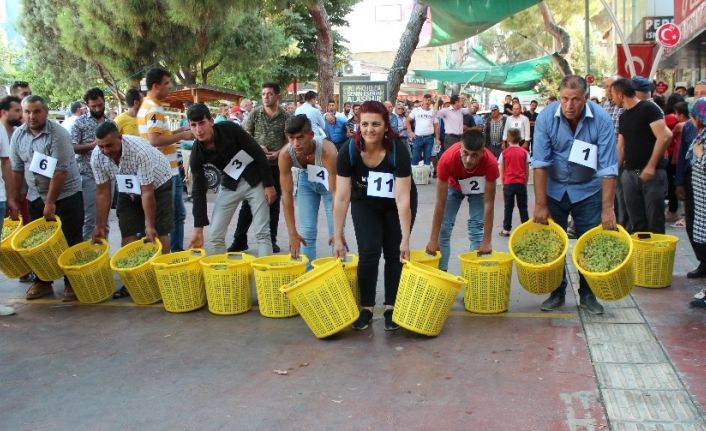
[324,49]
[408,43]
[562,39]
[108,79]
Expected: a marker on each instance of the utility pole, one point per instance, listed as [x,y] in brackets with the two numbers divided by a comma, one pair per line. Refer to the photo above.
[587,43]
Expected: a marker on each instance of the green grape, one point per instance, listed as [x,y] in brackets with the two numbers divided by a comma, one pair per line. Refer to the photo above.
[603,253]
[86,257]
[6,231]
[539,247]
[135,259]
[38,236]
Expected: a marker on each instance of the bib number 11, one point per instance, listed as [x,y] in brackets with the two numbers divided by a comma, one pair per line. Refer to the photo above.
[381,184]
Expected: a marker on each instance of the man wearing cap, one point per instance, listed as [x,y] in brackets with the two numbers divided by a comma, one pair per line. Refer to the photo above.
[641,154]
[237,116]
[494,127]
[575,169]
[643,88]
[680,89]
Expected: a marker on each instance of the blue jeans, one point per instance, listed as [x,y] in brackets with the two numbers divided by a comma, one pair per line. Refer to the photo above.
[176,237]
[2,213]
[422,144]
[309,197]
[475,222]
[586,215]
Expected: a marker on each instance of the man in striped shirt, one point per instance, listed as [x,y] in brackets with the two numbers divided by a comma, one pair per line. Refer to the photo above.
[153,126]
[144,183]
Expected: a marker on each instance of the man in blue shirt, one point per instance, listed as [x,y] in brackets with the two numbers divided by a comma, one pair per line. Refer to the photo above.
[575,165]
[335,125]
[313,114]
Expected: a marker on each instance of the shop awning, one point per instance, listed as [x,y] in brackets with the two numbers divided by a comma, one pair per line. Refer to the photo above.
[456,20]
[201,93]
[508,77]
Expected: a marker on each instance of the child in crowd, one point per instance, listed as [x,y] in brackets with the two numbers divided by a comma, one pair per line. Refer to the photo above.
[514,170]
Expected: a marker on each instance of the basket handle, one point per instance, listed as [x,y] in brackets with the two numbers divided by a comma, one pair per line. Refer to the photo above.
[643,235]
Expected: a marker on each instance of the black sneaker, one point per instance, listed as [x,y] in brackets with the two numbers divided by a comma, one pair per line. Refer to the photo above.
[275,248]
[698,303]
[364,320]
[389,324]
[591,304]
[553,302]
[238,246]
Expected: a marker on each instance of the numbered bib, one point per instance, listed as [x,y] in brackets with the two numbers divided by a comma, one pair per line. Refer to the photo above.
[381,184]
[317,174]
[237,164]
[472,185]
[584,154]
[128,184]
[43,165]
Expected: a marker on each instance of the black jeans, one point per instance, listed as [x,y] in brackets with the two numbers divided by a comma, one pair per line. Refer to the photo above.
[699,249]
[245,217]
[378,231]
[70,211]
[644,201]
[673,203]
[511,193]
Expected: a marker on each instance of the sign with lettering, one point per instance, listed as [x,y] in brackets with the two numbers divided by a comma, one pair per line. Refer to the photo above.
[650,24]
[360,91]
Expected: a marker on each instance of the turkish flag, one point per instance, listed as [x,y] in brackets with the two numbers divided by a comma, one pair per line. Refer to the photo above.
[643,55]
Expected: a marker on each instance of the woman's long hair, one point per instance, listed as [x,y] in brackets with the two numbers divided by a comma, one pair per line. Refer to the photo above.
[375,107]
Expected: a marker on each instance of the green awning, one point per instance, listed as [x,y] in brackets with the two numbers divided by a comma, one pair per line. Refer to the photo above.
[456,20]
[508,77]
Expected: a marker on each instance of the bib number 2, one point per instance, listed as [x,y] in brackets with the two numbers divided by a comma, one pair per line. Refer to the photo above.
[381,184]
[472,185]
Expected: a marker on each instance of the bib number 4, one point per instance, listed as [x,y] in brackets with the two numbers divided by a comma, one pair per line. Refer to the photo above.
[317,174]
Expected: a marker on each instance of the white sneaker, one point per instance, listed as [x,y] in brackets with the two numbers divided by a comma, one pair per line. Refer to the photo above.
[700,295]
[6,310]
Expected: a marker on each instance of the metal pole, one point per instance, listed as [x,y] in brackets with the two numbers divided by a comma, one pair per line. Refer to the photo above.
[618,29]
[655,64]
[587,43]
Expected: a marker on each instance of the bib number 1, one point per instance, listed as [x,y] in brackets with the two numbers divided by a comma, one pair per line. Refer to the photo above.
[381,184]
[584,154]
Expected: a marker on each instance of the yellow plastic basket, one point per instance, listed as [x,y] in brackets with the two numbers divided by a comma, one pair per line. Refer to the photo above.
[324,299]
[140,281]
[42,259]
[180,280]
[11,263]
[653,259]
[544,278]
[421,256]
[616,283]
[227,278]
[424,298]
[93,281]
[489,277]
[350,267]
[271,273]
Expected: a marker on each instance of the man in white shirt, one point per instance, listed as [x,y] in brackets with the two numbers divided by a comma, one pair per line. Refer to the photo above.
[518,121]
[425,133]
[5,172]
[453,121]
[76,109]
[313,113]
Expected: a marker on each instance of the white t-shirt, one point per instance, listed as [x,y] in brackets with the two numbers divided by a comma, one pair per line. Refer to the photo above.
[424,121]
[521,123]
[4,153]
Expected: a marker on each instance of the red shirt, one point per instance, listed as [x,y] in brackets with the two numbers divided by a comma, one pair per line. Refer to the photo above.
[514,160]
[450,168]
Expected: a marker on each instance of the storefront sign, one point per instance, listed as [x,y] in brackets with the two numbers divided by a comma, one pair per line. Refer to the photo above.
[360,91]
[642,58]
[650,24]
[690,15]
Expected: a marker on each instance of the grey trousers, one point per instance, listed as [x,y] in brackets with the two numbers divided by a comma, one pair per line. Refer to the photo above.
[88,187]
[644,202]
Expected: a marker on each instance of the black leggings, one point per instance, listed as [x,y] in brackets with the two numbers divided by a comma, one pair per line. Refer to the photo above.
[378,231]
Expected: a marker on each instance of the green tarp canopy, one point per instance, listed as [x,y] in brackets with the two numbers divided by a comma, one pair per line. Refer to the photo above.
[508,77]
[456,20]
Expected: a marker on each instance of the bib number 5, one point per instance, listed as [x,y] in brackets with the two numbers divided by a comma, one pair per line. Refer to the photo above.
[381,184]
[128,184]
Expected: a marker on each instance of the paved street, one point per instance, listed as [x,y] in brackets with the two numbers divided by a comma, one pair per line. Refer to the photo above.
[117,366]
